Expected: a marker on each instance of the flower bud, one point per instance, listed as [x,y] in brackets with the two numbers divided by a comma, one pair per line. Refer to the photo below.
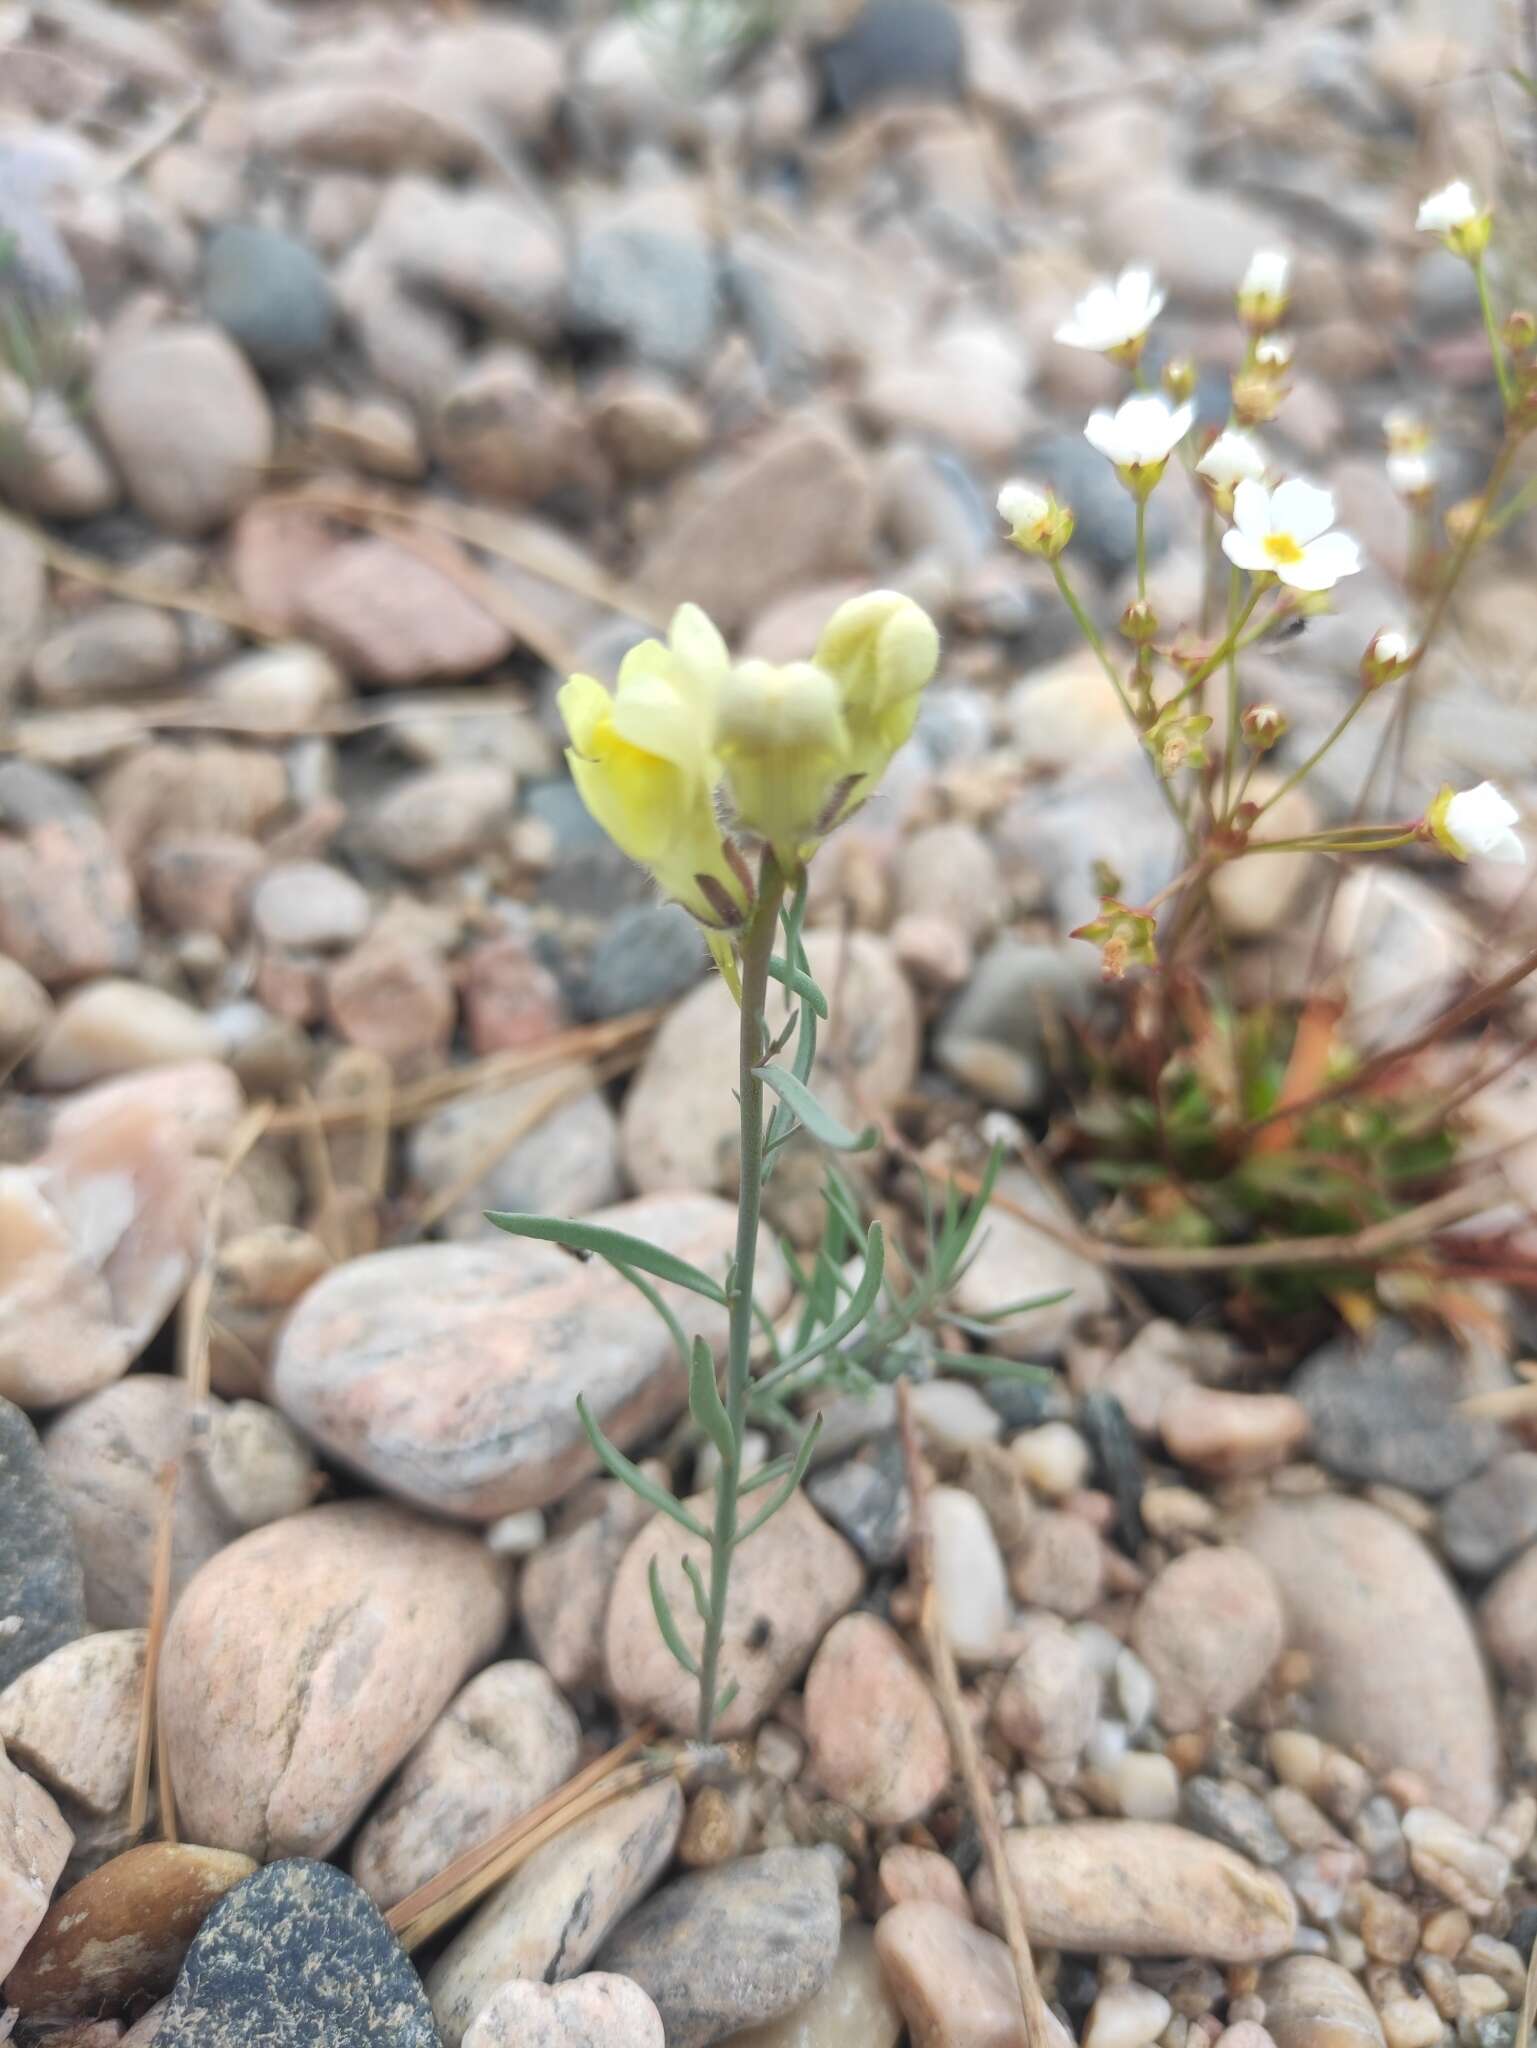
[1256,397]
[1386,658]
[1264,727]
[1412,473]
[783,743]
[1520,331]
[1179,378]
[1139,623]
[1177,740]
[1038,524]
[1125,937]
[1265,292]
[1273,353]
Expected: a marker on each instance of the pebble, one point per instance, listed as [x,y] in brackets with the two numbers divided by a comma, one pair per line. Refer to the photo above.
[678,1127]
[1048,1703]
[1146,1786]
[1014,1265]
[42,1588]
[1208,1628]
[1141,1888]
[893,49]
[645,426]
[1371,1635]
[105,1455]
[393,995]
[445,1372]
[1229,1812]
[308,906]
[1126,2016]
[72,1718]
[500,1746]
[593,2011]
[1059,1565]
[993,1037]
[510,999]
[969,1580]
[908,1872]
[1508,1621]
[115,1027]
[283,1717]
[391,617]
[1452,1860]
[23,605]
[789,1582]
[25,1012]
[1054,1459]
[654,290]
[1487,1520]
[727,1948]
[68,907]
[200,881]
[877,1737]
[256,1465]
[440,818]
[115,650]
[122,1932]
[186,423]
[284,688]
[34,1845]
[954,1982]
[1229,1435]
[546,1921]
[564,1592]
[867,1500]
[853,2009]
[1311,2002]
[949,872]
[1388,1415]
[269,294]
[651,955]
[953,1416]
[251,1973]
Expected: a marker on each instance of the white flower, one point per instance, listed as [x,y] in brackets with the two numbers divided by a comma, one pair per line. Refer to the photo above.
[1274,352]
[1286,532]
[1390,646]
[1268,275]
[1452,207]
[1143,434]
[1479,821]
[1038,523]
[1412,472]
[1232,457]
[1022,506]
[1113,316]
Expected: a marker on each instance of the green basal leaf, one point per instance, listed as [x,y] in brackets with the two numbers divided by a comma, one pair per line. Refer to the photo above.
[617,1246]
[788,1485]
[665,1622]
[640,1483]
[820,1122]
[705,1403]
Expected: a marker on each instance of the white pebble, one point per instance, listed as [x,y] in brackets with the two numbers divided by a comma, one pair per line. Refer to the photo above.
[1054,1459]
[1453,1861]
[1146,1786]
[1410,2023]
[1135,1690]
[955,1415]
[969,1577]
[516,1535]
[1126,2016]
[1107,1745]
[1098,1645]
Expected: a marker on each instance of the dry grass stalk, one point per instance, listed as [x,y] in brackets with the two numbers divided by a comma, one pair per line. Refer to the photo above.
[469,1877]
[159,1614]
[963,1741]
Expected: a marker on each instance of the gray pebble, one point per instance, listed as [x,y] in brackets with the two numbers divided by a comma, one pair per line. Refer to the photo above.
[1386,1415]
[1229,1812]
[42,1587]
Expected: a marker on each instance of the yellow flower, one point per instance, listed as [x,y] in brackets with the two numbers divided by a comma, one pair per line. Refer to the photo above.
[644,763]
[880,649]
[784,746]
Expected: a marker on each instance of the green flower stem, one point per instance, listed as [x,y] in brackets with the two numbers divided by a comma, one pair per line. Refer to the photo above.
[757,950]
[1329,842]
[1142,545]
[1496,346]
[1234,624]
[1513,507]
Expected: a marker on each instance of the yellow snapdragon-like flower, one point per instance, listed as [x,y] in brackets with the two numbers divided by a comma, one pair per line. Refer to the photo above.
[784,746]
[644,762]
[881,650]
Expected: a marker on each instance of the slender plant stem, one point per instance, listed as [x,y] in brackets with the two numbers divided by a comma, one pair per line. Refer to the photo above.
[1313,759]
[1496,346]
[1513,507]
[1142,545]
[1232,695]
[757,950]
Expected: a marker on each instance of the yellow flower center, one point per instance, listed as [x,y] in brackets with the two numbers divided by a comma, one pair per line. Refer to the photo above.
[1282,548]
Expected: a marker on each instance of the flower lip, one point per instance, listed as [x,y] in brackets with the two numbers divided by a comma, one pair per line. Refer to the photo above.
[1480,821]
[1286,533]
[1112,316]
[1232,457]
[1454,206]
[1144,432]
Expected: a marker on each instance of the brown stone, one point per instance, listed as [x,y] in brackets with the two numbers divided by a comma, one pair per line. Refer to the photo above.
[393,995]
[1229,1435]
[34,1843]
[877,1737]
[954,1981]
[1208,1628]
[73,1719]
[199,881]
[597,2010]
[391,617]
[187,423]
[68,908]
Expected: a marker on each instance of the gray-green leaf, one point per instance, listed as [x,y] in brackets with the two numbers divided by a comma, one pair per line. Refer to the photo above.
[617,1246]
[821,1123]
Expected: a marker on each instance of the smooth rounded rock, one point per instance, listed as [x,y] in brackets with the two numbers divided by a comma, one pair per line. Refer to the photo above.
[788,1582]
[308,906]
[35,1841]
[1374,1613]
[1049,1700]
[440,818]
[954,1981]
[1208,1628]
[1126,2016]
[877,1736]
[186,423]
[723,1949]
[545,1146]
[1229,1435]
[1311,2002]
[1508,1618]
[42,1586]
[547,1920]
[269,294]
[507,1740]
[302,1664]
[853,2009]
[25,1011]
[116,1027]
[594,2011]
[72,1719]
[1141,1888]
[256,1465]
[969,1580]
[123,1930]
[447,1373]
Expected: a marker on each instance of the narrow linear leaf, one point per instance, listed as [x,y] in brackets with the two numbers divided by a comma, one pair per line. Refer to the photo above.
[985,1367]
[695,1578]
[705,1403]
[792,1479]
[725,1696]
[669,1627]
[799,983]
[639,1483]
[776,1468]
[853,1314]
[617,1246]
[820,1122]
[988,1317]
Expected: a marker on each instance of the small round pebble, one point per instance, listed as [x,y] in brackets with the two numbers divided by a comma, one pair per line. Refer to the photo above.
[1126,2016]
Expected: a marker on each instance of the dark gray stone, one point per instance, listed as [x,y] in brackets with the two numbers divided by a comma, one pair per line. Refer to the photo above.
[656,293]
[1496,2030]
[31,794]
[37,267]
[270,295]
[42,1588]
[1386,1415]
[1104,513]
[1229,1812]
[866,1499]
[1377,1834]
[1486,1520]
[297,1957]
[1017,991]
[893,49]
[649,955]
[723,1949]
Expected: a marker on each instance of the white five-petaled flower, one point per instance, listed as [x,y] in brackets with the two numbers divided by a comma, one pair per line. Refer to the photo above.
[1141,435]
[1480,821]
[1285,533]
[1452,207]
[1232,457]
[1268,275]
[1114,316]
[1021,505]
